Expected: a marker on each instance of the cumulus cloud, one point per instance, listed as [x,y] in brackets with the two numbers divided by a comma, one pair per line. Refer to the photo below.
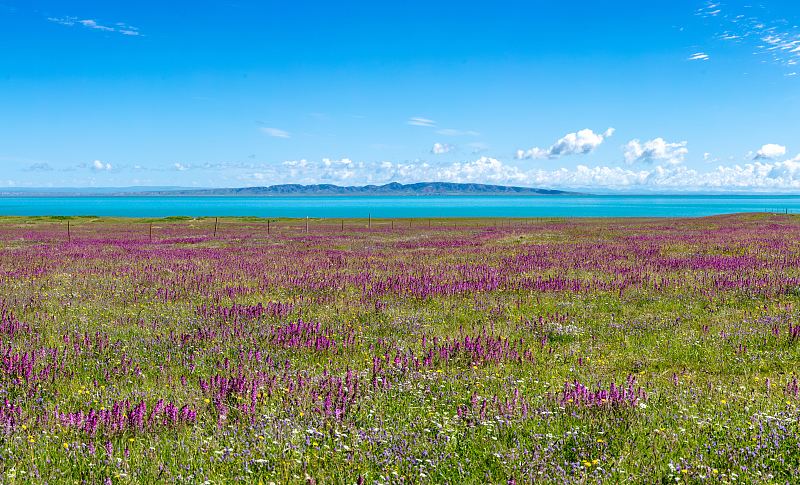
[119,27]
[770,151]
[418,121]
[656,150]
[100,166]
[755,176]
[441,148]
[275,132]
[579,143]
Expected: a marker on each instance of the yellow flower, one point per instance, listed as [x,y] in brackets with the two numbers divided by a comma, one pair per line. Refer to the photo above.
[206,400]
[595,461]
[601,440]
[723,402]
[66,446]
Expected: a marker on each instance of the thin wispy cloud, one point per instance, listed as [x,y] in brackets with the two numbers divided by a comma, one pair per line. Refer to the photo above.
[119,27]
[581,142]
[39,167]
[417,121]
[275,132]
[778,41]
[699,56]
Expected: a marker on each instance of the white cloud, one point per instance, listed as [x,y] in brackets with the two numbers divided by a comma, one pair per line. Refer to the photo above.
[441,148]
[770,151]
[581,142]
[98,165]
[656,150]
[699,56]
[757,176]
[181,167]
[417,121]
[92,24]
[775,41]
[275,132]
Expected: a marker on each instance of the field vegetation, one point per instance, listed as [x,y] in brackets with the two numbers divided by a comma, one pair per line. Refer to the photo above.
[444,351]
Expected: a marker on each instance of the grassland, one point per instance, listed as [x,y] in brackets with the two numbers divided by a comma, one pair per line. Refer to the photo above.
[445,351]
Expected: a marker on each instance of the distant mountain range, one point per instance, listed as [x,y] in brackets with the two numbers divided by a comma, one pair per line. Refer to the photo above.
[394,188]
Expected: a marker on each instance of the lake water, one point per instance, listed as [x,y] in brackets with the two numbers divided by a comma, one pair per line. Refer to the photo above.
[400,207]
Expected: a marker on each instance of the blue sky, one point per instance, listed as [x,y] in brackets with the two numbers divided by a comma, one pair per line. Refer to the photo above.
[634,96]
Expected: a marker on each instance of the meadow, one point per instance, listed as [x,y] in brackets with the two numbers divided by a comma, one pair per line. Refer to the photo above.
[445,351]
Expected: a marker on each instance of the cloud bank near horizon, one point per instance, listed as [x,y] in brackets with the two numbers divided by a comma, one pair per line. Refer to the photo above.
[757,176]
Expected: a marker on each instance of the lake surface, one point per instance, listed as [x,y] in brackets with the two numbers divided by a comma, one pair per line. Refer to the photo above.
[401,207]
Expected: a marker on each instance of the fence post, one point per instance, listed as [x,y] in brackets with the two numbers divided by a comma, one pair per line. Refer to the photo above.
[69,236]
[216,221]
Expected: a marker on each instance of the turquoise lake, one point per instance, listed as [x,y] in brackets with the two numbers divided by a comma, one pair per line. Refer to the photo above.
[402,207]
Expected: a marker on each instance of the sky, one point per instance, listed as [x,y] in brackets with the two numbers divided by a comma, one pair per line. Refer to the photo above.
[602,96]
